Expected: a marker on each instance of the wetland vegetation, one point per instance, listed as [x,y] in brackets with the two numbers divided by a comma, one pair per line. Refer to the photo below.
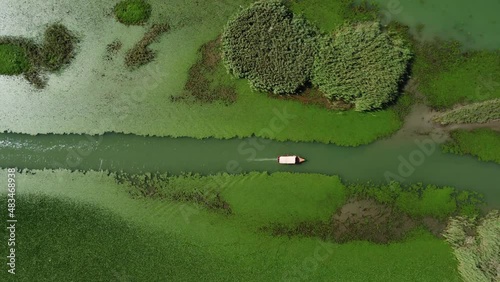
[132,12]
[299,66]
[13,59]
[483,143]
[141,54]
[25,56]
[180,236]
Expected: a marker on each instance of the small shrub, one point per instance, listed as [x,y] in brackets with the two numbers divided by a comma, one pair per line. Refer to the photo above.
[133,12]
[58,47]
[362,64]
[269,46]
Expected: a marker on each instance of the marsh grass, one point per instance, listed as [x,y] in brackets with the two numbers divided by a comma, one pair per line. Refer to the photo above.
[448,75]
[162,186]
[58,47]
[357,220]
[385,214]
[141,54]
[13,59]
[132,12]
[480,112]
[203,85]
[119,237]
[113,48]
[56,51]
[476,246]
[483,143]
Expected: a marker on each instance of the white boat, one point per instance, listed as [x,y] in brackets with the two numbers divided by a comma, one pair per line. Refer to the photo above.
[290,160]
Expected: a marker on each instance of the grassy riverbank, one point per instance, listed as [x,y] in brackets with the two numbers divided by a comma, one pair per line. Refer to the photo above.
[189,241]
[482,143]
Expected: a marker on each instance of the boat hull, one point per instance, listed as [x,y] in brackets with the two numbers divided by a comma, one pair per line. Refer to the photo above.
[290,160]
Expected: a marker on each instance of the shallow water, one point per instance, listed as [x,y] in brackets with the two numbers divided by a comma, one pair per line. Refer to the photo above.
[474,23]
[403,159]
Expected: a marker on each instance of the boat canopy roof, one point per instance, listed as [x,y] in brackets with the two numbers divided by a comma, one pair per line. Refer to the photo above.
[287,159]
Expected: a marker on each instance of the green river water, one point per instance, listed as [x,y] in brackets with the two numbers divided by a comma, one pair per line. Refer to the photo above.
[474,23]
[93,86]
[403,159]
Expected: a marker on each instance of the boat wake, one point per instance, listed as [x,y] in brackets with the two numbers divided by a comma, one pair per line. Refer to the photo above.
[263,160]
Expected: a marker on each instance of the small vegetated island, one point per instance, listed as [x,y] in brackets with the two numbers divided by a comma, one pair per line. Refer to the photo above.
[361,63]
[25,56]
[13,59]
[137,12]
[132,12]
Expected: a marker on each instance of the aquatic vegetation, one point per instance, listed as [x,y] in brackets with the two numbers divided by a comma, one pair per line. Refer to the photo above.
[357,220]
[448,76]
[132,12]
[94,244]
[476,246]
[141,54]
[328,15]
[13,59]
[58,48]
[162,186]
[113,48]
[270,46]
[192,244]
[480,112]
[199,87]
[362,64]
[32,53]
[483,143]
[384,214]
[419,201]
[56,51]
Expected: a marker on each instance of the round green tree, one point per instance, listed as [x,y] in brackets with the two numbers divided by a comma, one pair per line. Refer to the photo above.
[133,12]
[270,47]
[361,64]
[13,59]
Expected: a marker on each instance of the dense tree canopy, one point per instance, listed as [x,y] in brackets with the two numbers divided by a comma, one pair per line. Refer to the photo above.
[361,64]
[268,45]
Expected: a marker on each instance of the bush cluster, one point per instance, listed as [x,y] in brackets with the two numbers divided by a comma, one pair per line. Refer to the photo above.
[58,47]
[361,64]
[270,47]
